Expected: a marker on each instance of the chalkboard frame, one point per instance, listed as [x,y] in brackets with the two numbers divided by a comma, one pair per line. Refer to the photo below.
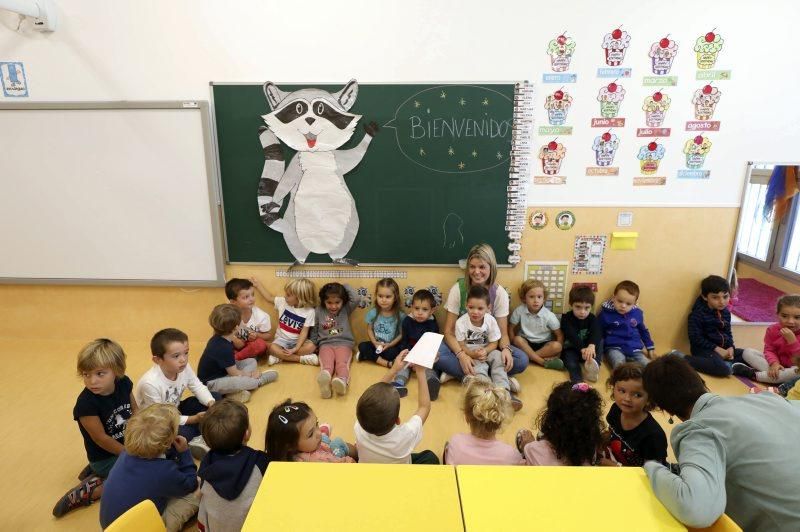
[500,253]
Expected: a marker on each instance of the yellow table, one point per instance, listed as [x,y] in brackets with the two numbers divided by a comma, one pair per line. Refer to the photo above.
[326,497]
[560,498]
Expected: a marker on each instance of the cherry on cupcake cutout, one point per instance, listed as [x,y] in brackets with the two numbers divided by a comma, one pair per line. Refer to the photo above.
[652,146]
[612,87]
[562,39]
[558,95]
[664,43]
[657,96]
[710,36]
[616,34]
[707,89]
[552,145]
[698,139]
[606,136]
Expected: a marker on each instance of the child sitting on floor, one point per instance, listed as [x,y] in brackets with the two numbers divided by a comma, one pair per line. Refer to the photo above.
[571,427]
[334,337]
[218,368]
[295,320]
[295,435]
[380,437]
[384,322]
[534,328]
[231,472]
[142,472]
[625,336]
[635,436]
[102,411]
[414,325]
[486,409]
[253,333]
[781,347]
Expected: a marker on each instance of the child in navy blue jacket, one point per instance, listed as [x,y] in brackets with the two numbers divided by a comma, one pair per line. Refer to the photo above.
[625,336]
[710,335]
[143,472]
[419,321]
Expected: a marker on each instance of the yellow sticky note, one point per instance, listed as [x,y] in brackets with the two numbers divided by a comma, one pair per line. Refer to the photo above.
[624,239]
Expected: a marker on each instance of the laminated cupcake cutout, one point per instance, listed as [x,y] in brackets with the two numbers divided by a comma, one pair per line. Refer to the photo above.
[650,157]
[707,48]
[552,154]
[705,102]
[655,107]
[560,51]
[557,106]
[615,44]
[662,55]
[605,148]
[610,98]
[696,150]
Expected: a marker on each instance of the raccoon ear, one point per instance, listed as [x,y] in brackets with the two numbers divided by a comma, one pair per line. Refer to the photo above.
[347,96]
[274,95]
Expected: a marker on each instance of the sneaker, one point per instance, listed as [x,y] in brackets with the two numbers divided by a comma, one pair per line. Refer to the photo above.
[445,377]
[518,440]
[743,370]
[198,447]
[242,396]
[324,382]
[358,356]
[514,385]
[433,386]
[401,388]
[272,360]
[516,402]
[80,495]
[339,386]
[325,428]
[267,377]
[310,360]
[592,370]
[554,363]
[86,472]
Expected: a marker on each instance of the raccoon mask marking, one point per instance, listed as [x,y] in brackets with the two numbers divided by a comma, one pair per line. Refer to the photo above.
[311,119]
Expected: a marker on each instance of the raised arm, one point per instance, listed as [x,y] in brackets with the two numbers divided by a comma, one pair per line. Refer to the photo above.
[346,160]
[265,293]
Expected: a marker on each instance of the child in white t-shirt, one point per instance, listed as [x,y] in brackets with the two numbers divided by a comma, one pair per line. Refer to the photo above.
[477,333]
[295,319]
[253,333]
[535,329]
[380,437]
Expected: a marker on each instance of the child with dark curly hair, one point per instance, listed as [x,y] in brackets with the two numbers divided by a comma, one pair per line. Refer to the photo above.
[571,426]
[635,436]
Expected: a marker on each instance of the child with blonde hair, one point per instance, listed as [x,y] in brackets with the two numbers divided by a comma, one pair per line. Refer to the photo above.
[535,329]
[487,409]
[383,325]
[102,411]
[142,472]
[295,320]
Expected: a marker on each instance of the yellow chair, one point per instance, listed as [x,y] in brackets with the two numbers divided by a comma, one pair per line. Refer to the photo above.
[723,524]
[143,517]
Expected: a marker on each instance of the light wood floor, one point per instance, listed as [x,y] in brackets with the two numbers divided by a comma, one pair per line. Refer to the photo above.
[43,452]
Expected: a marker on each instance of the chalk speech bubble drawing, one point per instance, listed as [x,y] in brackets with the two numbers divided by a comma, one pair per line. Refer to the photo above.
[455,129]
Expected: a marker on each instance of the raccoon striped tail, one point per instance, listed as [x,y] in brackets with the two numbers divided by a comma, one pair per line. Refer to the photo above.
[270,177]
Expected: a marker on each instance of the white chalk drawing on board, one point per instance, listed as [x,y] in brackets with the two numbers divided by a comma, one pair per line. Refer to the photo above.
[451,227]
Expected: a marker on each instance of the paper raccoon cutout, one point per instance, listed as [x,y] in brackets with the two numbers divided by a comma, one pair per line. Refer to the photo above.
[321,215]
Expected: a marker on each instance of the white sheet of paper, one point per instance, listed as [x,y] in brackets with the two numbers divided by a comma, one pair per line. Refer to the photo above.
[424,351]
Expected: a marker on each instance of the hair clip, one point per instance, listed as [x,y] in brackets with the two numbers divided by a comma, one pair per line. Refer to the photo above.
[283,419]
[581,387]
[290,408]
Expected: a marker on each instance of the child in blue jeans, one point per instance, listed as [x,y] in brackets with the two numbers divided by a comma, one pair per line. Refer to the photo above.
[625,336]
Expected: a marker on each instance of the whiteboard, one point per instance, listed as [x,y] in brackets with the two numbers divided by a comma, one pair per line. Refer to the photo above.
[118,193]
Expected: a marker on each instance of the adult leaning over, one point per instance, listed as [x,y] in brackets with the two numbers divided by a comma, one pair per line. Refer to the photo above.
[737,455]
[453,361]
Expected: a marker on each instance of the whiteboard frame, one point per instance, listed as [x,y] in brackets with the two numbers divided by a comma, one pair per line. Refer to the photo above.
[211,181]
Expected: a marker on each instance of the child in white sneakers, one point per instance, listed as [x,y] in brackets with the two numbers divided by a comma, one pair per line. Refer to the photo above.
[295,320]
[166,381]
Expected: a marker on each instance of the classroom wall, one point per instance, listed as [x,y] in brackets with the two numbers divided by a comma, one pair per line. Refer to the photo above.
[148,50]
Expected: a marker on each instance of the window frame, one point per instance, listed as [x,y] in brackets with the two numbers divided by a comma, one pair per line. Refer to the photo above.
[779,236]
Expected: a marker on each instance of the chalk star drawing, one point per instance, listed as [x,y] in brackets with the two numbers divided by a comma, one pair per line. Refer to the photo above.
[422,152]
[474,153]
[461,165]
[485,101]
[416,103]
[462,102]
[443,95]
[499,156]
[451,151]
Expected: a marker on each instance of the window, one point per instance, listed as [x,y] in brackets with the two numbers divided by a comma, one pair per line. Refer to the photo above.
[772,246]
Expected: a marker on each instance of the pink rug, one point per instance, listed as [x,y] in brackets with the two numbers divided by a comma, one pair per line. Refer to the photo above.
[756,301]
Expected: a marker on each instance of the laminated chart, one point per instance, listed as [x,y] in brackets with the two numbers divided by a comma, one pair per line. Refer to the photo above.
[553,274]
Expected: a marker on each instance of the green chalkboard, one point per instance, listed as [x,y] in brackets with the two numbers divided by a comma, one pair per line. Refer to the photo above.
[432,184]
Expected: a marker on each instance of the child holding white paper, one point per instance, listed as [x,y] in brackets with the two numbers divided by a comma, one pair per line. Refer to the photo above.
[417,323]
[477,333]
